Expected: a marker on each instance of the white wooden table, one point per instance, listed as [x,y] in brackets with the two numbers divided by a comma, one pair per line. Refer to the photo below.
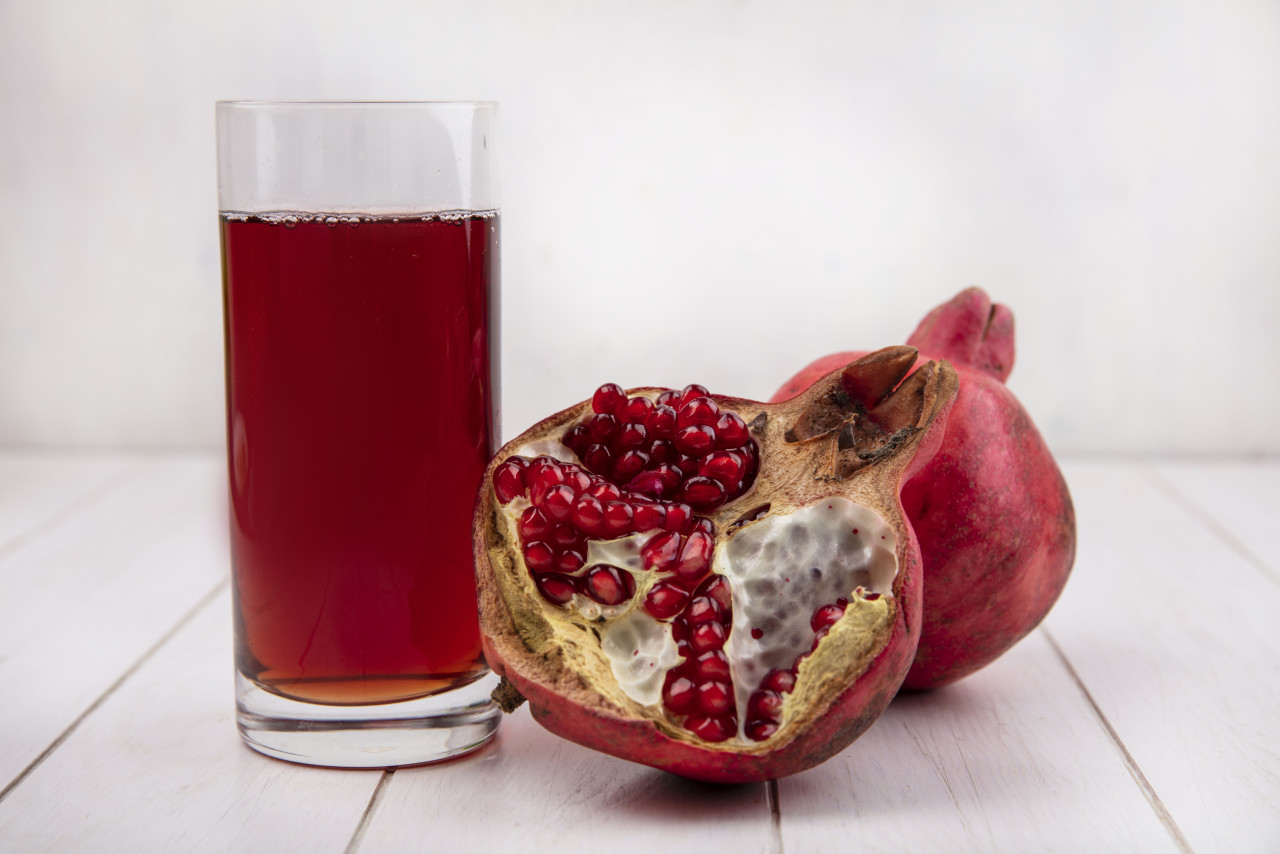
[1143,716]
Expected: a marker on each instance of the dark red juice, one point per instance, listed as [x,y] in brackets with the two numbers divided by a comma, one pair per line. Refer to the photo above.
[361,410]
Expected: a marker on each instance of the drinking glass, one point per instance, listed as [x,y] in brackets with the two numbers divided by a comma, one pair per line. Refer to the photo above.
[360,295]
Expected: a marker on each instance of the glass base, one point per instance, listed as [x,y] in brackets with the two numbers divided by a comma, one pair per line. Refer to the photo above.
[414,732]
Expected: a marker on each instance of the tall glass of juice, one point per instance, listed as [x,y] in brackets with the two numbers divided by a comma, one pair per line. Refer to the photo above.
[360,294]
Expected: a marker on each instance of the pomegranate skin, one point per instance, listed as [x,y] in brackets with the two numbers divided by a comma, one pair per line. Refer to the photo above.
[991,510]
[997,533]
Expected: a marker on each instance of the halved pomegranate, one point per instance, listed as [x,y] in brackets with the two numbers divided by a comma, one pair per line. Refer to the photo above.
[994,517]
[725,589]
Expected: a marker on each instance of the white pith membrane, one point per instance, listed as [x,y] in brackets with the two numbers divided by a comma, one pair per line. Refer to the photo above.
[553,448]
[781,568]
[784,567]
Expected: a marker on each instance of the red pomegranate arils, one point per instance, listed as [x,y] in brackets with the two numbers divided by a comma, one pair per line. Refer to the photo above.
[509,480]
[705,525]
[649,517]
[700,410]
[679,518]
[557,502]
[707,636]
[577,438]
[825,617]
[539,556]
[711,729]
[717,588]
[695,440]
[760,730]
[608,398]
[665,599]
[607,585]
[671,477]
[702,609]
[588,514]
[686,465]
[662,451]
[636,409]
[632,435]
[702,493]
[660,552]
[630,464]
[661,422]
[728,467]
[566,535]
[678,694]
[670,397]
[618,517]
[779,680]
[732,430]
[695,557]
[569,561]
[712,665]
[646,483]
[598,458]
[714,698]
[577,479]
[605,491]
[691,391]
[534,524]
[545,473]
[602,426]
[765,703]
[556,589]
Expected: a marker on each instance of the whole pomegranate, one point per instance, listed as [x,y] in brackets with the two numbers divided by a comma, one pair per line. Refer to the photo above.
[725,589]
[991,510]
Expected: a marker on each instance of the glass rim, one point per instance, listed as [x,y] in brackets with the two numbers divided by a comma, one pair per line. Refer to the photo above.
[337,103]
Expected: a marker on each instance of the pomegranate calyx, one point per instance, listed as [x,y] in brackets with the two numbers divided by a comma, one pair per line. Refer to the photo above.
[865,385]
[969,330]
[872,378]
[507,697]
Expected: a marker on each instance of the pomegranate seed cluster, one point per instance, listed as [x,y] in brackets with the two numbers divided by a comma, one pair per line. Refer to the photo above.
[649,466]
[677,447]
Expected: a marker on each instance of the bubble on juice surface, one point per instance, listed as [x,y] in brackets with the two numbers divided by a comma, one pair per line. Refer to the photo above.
[291,219]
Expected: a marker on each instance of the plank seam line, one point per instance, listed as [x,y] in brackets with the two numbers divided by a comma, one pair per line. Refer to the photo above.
[384,782]
[1148,791]
[1214,527]
[186,618]
[774,845]
[70,510]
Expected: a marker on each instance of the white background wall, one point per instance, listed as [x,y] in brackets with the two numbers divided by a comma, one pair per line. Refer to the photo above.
[708,191]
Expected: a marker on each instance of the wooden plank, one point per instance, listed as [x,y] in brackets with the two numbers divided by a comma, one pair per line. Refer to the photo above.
[532,791]
[1240,500]
[1173,632]
[88,597]
[158,766]
[38,489]
[1010,759]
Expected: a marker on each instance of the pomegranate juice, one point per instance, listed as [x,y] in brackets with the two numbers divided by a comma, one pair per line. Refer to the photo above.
[361,359]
